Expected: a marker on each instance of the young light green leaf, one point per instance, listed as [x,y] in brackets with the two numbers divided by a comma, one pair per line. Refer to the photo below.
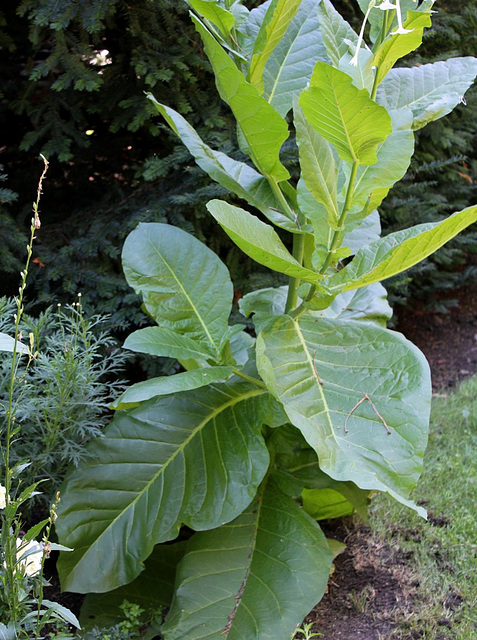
[393,160]
[196,458]
[399,251]
[166,385]
[399,45]
[290,66]
[210,10]
[185,286]
[233,175]
[258,240]
[276,22]
[318,166]
[263,128]
[336,32]
[429,90]
[62,612]
[344,115]
[237,580]
[341,384]
[323,504]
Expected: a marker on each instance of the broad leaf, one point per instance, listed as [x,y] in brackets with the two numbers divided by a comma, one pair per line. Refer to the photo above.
[398,46]
[255,578]
[165,385]
[221,18]
[277,19]
[429,90]
[344,115]
[324,504]
[318,167]
[316,213]
[336,32]
[366,232]
[290,66]
[263,128]
[345,384]
[184,284]
[159,341]
[399,251]
[154,587]
[258,240]
[231,174]
[195,458]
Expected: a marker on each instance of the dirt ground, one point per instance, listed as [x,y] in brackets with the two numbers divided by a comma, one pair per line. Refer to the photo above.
[371,589]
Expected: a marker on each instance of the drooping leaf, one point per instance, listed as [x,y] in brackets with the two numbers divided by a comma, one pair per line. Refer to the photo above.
[345,384]
[220,17]
[154,587]
[429,90]
[318,167]
[344,115]
[196,458]
[263,128]
[233,175]
[276,22]
[166,385]
[398,251]
[290,66]
[185,286]
[166,343]
[336,32]
[255,578]
[399,45]
[258,240]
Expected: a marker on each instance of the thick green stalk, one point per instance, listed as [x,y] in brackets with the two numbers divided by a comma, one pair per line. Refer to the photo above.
[255,381]
[294,283]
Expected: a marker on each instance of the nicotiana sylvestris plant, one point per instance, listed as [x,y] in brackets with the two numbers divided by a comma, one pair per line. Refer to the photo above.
[262,436]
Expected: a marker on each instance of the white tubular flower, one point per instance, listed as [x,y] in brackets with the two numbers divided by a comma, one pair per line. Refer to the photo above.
[354,59]
[3,497]
[400,30]
[386,6]
[29,557]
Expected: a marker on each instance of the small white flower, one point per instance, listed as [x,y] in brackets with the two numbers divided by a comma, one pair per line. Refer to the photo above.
[386,6]
[354,59]
[400,30]
[29,557]
[3,497]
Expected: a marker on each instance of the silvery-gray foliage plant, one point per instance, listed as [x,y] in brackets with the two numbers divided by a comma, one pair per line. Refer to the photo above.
[262,436]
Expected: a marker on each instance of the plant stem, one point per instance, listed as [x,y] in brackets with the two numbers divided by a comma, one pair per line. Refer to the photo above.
[294,283]
[255,381]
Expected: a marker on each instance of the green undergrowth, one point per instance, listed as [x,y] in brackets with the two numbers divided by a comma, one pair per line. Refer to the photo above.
[443,549]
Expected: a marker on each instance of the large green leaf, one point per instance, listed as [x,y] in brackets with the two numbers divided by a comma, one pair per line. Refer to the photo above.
[210,10]
[166,343]
[338,382]
[344,115]
[336,32]
[166,385]
[185,286]
[196,458]
[429,90]
[258,240]
[399,251]
[398,46]
[318,167]
[290,66]
[153,588]
[276,22]
[255,578]
[263,128]
[233,175]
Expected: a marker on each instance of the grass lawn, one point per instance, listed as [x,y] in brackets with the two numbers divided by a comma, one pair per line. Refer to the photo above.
[443,550]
